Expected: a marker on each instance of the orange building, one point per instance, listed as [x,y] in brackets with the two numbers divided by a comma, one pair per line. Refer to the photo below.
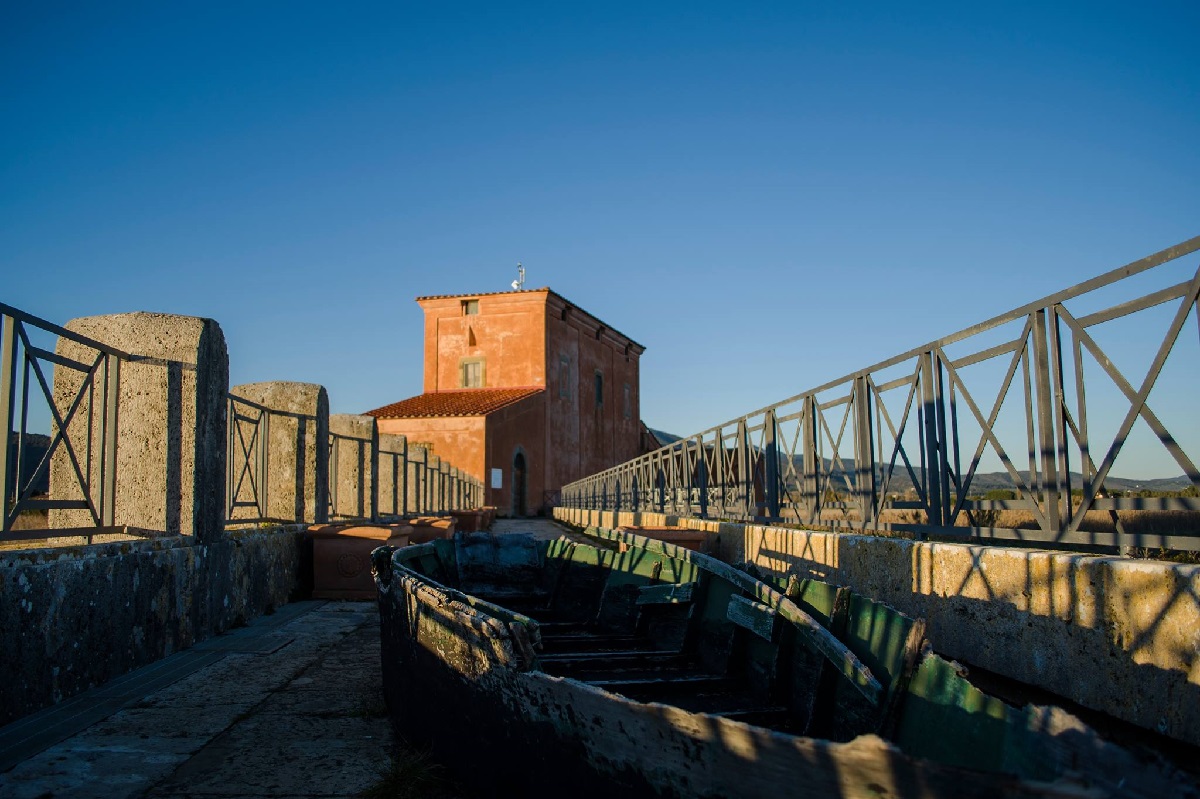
[524,390]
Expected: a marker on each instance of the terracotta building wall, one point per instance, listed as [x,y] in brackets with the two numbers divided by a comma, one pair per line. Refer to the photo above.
[520,427]
[458,439]
[507,334]
[583,436]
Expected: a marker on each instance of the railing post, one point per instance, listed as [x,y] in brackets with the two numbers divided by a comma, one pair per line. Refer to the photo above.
[1045,420]
[108,438]
[426,496]
[771,470]
[332,472]
[1060,422]
[8,386]
[864,451]
[373,462]
[745,470]
[811,492]
[264,461]
[933,457]
[702,477]
[433,468]
[660,483]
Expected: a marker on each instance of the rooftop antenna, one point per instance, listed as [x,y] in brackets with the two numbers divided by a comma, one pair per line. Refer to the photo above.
[519,283]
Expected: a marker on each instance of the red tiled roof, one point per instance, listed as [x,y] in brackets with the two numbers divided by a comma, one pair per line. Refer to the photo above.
[459,402]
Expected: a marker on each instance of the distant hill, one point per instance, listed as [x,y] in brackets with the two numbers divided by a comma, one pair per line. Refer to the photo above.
[664,438]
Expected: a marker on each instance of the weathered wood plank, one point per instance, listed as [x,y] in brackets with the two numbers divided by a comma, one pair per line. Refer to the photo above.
[666,594]
[753,616]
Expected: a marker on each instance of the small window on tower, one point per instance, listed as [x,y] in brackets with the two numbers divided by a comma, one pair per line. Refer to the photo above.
[628,401]
[471,373]
[599,390]
[470,307]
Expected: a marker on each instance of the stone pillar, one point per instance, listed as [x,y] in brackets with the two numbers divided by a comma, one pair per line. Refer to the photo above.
[391,466]
[298,450]
[433,473]
[416,479]
[354,440]
[170,454]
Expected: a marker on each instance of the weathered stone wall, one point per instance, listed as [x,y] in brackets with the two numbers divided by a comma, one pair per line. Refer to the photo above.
[390,468]
[418,478]
[352,465]
[298,442]
[1114,634]
[170,460]
[73,618]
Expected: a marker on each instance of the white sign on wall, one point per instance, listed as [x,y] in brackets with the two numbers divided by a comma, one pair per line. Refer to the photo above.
[497,478]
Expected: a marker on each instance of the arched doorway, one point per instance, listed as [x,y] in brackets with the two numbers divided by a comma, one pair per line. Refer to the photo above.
[518,485]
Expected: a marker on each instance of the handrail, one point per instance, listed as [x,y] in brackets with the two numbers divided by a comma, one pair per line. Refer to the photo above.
[838,461]
[84,425]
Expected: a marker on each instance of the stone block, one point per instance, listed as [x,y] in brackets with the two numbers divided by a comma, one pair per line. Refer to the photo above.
[390,465]
[354,440]
[298,449]
[418,479]
[171,425]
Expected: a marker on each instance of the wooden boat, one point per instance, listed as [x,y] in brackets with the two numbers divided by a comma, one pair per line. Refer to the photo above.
[570,669]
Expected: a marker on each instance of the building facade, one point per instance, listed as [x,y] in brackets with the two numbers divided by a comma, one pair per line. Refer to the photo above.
[524,390]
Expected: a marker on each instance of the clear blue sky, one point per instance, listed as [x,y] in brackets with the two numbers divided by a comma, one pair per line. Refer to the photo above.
[765,195]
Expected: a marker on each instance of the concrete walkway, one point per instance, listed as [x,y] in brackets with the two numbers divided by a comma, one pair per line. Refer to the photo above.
[288,710]
[288,707]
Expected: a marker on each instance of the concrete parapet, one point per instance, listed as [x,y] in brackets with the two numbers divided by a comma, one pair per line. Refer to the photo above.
[354,441]
[298,449]
[390,466]
[73,618]
[170,457]
[1118,635]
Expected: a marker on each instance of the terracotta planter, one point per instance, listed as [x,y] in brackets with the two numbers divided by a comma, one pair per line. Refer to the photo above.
[431,528]
[342,557]
[470,521]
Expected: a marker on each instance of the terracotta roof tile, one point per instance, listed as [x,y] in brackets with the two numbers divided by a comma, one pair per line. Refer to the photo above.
[459,402]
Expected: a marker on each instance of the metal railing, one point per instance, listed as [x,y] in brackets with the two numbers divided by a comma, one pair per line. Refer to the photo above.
[847,454]
[364,504]
[75,468]
[392,465]
[86,431]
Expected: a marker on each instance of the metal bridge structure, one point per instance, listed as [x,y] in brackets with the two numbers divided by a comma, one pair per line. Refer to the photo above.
[899,446]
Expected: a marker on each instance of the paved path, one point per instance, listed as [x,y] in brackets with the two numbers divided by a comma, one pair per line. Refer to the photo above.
[539,528]
[298,715]
[288,707]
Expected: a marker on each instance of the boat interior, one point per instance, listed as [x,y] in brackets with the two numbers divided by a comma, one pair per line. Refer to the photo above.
[656,623]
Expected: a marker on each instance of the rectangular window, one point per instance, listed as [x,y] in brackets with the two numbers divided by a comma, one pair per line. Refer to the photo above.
[564,377]
[471,373]
[628,401]
[470,307]
[599,390]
